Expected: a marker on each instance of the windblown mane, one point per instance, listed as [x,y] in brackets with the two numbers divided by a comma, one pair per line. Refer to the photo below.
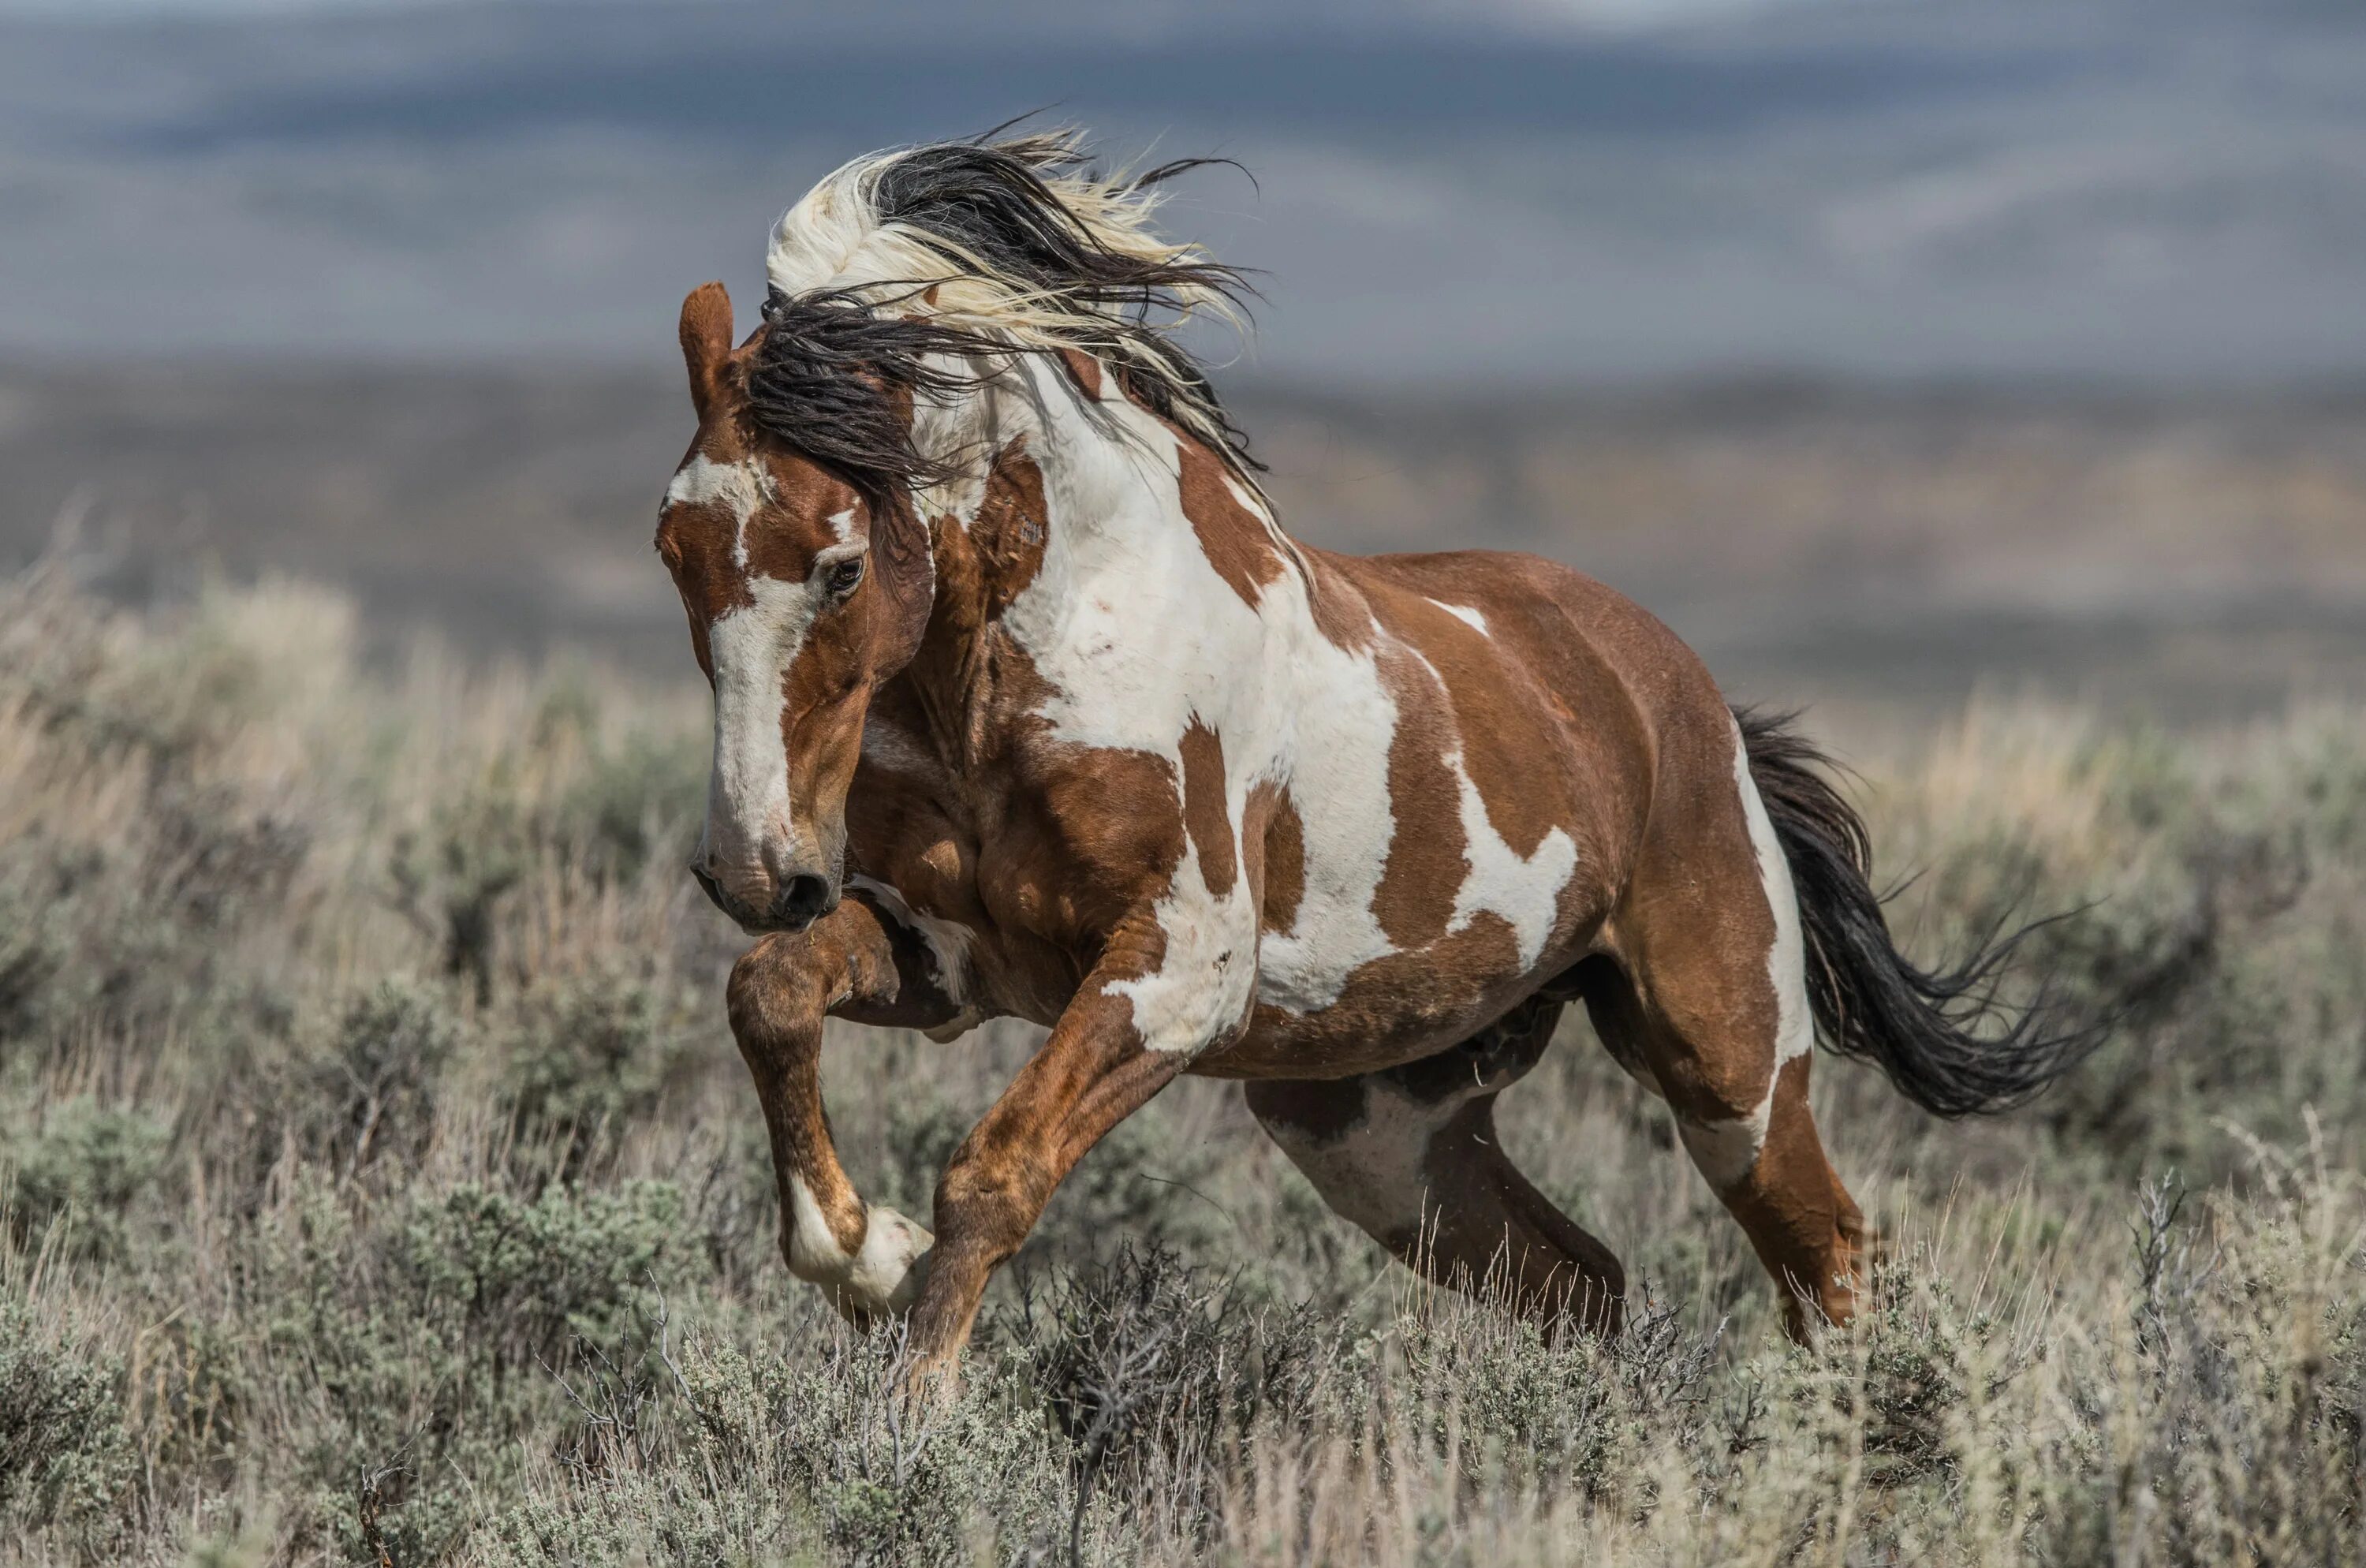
[976,251]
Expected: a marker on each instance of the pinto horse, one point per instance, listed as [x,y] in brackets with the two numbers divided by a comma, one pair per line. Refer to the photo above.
[1024,705]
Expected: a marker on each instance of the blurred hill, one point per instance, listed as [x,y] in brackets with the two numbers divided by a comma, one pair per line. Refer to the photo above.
[2195,554]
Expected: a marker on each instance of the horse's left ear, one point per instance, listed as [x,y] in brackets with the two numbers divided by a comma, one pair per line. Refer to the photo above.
[705,340]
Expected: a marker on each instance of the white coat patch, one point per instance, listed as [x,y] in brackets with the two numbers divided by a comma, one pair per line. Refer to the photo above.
[1138,634]
[1525,890]
[883,1276]
[738,488]
[1464,612]
[1200,991]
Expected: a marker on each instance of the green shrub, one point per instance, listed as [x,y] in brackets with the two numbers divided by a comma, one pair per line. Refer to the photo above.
[371,1092]
[590,1057]
[517,1283]
[87,1166]
[65,1459]
[636,805]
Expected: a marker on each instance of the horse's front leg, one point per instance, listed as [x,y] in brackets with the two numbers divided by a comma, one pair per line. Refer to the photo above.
[1124,1037]
[868,1259]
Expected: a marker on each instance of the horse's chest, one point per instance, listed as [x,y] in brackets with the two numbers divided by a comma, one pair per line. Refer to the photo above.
[971,915]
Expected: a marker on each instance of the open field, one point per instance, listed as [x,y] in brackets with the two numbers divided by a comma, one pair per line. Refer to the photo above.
[1894,548]
[379,1184]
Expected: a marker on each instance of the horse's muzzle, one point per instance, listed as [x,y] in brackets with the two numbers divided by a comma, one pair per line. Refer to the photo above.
[796,904]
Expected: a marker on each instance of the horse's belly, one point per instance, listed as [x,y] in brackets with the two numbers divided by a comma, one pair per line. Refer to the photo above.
[1394,1009]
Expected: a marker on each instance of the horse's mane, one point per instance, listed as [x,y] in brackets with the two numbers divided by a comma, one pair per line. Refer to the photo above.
[977,251]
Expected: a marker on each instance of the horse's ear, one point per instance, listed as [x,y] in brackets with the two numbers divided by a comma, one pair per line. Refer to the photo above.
[705,340]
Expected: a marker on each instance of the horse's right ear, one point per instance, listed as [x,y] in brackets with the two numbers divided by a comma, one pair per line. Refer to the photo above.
[705,340]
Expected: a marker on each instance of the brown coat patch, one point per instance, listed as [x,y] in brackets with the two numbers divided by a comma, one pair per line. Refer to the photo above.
[1084,370]
[1206,815]
[1426,859]
[1283,861]
[1236,540]
[1012,526]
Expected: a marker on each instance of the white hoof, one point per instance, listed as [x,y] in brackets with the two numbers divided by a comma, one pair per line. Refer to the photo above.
[886,1277]
[883,1276]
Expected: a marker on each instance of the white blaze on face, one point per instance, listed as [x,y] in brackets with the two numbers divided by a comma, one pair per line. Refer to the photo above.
[750,828]
[748,794]
[738,488]
[1726,1151]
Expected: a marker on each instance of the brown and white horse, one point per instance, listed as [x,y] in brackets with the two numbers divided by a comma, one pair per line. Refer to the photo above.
[1025,707]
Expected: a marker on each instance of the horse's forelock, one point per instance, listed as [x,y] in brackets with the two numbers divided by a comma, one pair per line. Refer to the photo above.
[834,376]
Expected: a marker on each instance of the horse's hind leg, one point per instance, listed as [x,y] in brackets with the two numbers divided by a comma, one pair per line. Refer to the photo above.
[1411,1157]
[1711,997]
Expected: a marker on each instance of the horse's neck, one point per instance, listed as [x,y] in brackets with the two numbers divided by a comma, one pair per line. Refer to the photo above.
[1077,493]
[1108,466]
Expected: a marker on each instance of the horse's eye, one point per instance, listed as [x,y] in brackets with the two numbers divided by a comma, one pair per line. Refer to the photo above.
[844,577]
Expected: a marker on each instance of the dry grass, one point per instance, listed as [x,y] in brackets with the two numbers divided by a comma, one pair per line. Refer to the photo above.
[377,1183]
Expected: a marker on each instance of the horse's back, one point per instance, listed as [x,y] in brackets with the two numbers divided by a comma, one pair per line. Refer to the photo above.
[1612,682]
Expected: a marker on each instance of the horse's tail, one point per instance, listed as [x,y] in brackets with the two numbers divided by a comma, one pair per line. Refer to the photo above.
[1943,1037]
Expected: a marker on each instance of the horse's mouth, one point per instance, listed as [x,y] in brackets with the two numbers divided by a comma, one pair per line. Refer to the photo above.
[801,900]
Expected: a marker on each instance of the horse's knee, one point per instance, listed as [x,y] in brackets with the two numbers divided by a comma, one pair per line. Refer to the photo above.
[785,985]
[986,1201]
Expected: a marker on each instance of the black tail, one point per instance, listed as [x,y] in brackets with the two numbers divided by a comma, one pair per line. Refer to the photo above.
[1943,1037]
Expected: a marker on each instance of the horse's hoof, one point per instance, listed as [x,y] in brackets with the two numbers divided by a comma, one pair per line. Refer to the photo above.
[885,1276]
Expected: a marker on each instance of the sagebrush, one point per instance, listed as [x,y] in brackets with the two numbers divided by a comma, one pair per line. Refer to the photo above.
[379,1184]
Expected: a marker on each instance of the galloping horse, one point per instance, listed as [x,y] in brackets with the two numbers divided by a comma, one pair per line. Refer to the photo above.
[1024,705]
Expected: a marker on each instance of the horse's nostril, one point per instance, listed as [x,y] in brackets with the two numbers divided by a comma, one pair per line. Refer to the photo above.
[801,900]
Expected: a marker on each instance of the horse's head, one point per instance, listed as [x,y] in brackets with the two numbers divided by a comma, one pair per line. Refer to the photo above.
[803,593]
[901,289]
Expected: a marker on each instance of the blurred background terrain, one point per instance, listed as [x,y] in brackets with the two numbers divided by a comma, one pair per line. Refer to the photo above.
[1887,349]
